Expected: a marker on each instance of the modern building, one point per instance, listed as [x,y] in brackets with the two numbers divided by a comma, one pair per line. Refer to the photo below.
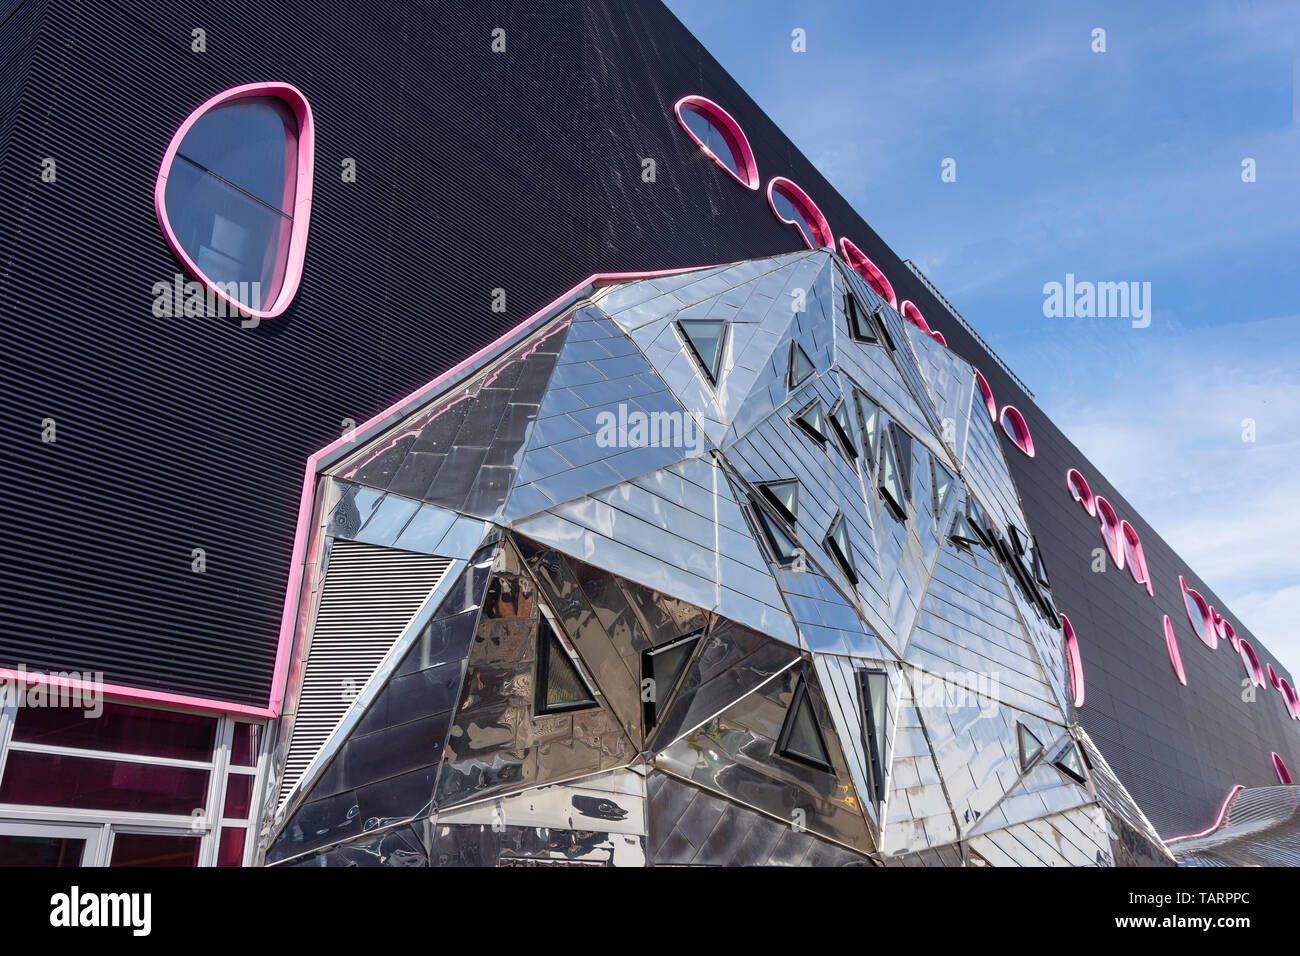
[446,437]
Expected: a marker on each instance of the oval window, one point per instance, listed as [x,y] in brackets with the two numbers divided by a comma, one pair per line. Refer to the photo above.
[719,136]
[1176,659]
[1135,557]
[1073,663]
[1251,663]
[1013,424]
[858,261]
[1289,695]
[938,337]
[792,205]
[1108,522]
[1198,613]
[1279,768]
[1080,491]
[233,195]
[988,395]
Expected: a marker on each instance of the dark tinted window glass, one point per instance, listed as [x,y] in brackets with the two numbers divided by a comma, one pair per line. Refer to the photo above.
[42,851]
[714,137]
[120,729]
[790,212]
[154,849]
[50,780]
[705,337]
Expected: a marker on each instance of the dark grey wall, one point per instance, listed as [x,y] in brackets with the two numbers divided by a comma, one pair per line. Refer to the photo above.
[475,171]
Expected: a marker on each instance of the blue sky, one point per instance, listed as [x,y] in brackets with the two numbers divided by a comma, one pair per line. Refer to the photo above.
[1117,166]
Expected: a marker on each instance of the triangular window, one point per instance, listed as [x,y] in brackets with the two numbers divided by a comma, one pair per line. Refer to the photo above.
[873,686]
[868,423]
[890,481]
[1069,763]
[839,419]
[943,485]
[837,545]
[560,686]
[903,445]
[784,496]
[860,327]
[801,366]
[705,338]
[663,668]
[783,547]
[962,533]
[812,421]
[801,737]
[1030,746]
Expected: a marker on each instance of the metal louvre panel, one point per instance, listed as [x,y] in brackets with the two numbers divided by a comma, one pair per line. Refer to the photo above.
[368,597]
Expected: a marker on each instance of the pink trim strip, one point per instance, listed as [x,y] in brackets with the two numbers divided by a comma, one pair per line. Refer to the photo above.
[938,337]
[1279,768]
[1073,662]
[1019,430]
[871,274]
[120,692]
[301,203]
[803,202]
[1171,645]
[1218,820]
[726,124]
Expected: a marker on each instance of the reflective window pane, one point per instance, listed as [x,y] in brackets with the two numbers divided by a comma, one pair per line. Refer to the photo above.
[251,143]
[231,850]
[52,780]
[239,796]
[154,849]
[42,851]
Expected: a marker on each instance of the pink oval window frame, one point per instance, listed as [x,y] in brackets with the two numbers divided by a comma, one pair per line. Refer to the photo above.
[725,124]
[1192,596]
[909,311]
[1073,663]
[793,194]
[1080,491]
[1251,663]
[301,199]
[871,274]
[1279,768]
[1135,557]
[1018,430]
[1171,645]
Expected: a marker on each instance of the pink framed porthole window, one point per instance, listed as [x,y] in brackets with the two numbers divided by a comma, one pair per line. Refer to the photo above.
[1289,697]
[1108,522]
[720,136]
[1080,491]
[938,337]
[233,195]
[1198,613]
[1073,663]
[1135,557]
[1272,677]
[1279,768]
[1251,663]
[989,402]
[792,205]
[859,263]
[1175,659]
[1015,428]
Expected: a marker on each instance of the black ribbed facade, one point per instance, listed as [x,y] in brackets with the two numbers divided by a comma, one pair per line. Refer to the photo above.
[475,171]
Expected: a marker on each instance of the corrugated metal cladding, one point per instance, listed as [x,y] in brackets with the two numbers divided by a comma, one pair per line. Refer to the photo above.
[476,170]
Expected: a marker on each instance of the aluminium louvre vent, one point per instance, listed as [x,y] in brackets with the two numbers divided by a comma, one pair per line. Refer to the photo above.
[368,597]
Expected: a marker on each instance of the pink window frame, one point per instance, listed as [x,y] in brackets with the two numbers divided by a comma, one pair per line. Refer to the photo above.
[1279,768]
[1109,524]
[1073,662]
[1023,441]
[938,337]
[1211,639]
[1080,490]
[870,272]
[731,131]
[297,247]
[1289,698]
[1171,645]
[1273,678]
[989,401]
[797,197]
[1135,557]
[1251,663]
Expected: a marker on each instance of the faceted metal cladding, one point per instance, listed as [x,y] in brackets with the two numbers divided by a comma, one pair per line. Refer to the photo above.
[740,578]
